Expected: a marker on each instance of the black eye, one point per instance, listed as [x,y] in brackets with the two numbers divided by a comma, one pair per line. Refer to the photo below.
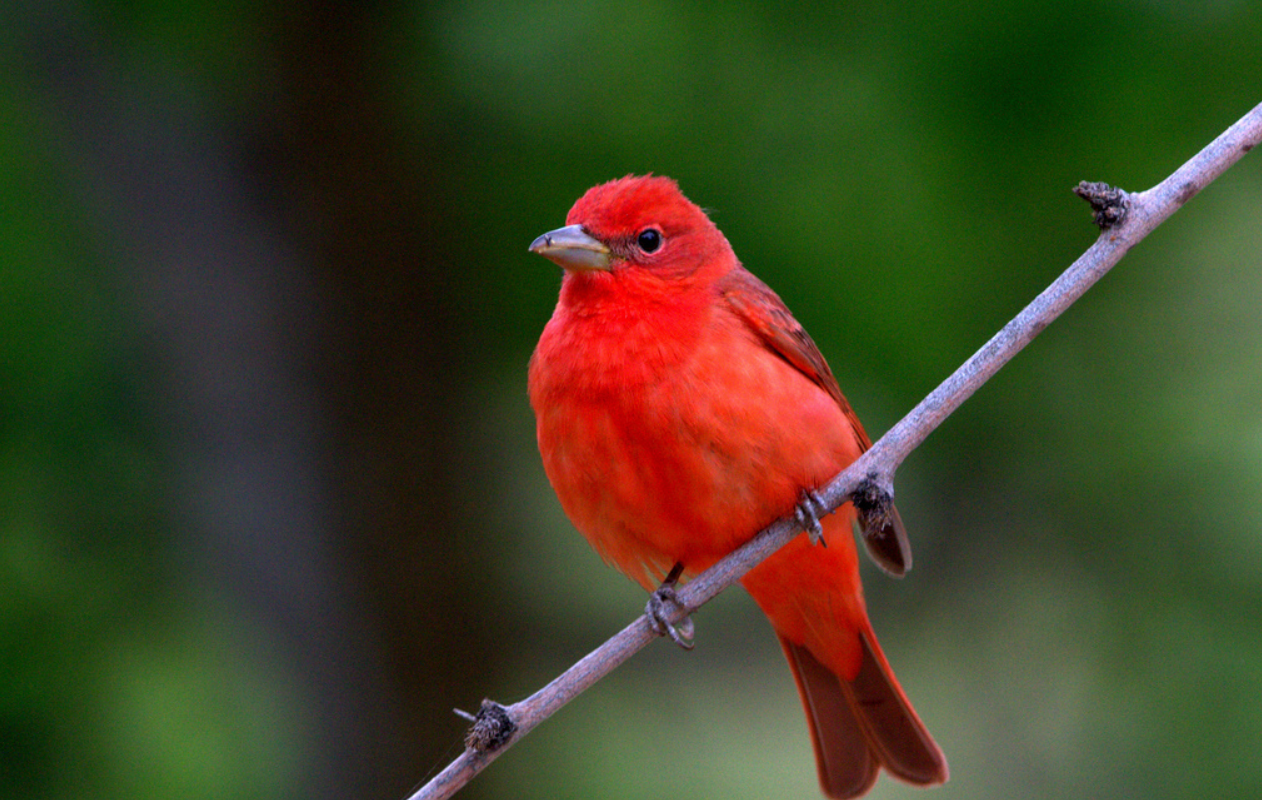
[649,240]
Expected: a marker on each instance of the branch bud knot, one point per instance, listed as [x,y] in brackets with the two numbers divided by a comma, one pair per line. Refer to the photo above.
[1108,203]
[492,728]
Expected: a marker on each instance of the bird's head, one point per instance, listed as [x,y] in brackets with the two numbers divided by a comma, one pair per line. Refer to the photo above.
[642,224]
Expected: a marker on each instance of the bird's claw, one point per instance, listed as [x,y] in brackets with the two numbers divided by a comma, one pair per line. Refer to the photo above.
[662,605]
[809,509]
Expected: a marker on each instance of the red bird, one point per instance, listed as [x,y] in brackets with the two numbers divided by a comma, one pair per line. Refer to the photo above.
[680,410]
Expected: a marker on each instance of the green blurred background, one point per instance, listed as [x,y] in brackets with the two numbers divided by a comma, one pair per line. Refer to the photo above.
[270,499]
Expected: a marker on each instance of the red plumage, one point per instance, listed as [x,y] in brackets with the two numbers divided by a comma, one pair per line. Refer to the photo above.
[680,409]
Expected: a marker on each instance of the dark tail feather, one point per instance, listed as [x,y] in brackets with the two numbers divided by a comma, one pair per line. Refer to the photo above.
[847,767]
[860,725]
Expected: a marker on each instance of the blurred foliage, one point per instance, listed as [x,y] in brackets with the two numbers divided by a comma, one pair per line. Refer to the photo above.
[271,504]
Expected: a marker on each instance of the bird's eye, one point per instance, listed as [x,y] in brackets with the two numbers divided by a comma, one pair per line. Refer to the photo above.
[649,239]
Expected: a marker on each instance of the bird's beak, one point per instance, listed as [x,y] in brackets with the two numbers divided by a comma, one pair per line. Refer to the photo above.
[573,249]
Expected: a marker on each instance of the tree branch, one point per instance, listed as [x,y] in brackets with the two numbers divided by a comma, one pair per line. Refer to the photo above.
[1125,219]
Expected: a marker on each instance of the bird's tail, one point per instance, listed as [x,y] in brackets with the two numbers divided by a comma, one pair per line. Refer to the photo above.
[862,724]
[860,720]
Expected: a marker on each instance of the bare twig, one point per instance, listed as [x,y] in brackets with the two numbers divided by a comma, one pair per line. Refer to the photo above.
[1125,220]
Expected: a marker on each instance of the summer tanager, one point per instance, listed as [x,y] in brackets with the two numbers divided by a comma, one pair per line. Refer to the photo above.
[680,410]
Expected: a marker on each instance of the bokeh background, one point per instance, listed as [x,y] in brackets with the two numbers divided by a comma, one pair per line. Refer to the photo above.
[269,495]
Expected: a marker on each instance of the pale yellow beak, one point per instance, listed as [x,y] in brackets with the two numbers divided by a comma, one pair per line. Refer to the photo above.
[573,249]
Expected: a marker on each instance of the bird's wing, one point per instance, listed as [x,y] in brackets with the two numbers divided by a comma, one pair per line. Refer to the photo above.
[768,317]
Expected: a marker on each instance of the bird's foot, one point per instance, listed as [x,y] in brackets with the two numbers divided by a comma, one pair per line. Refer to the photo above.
[809,509]
[662,605]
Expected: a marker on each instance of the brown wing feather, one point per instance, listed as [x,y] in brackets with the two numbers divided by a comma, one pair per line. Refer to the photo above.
[767,316]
